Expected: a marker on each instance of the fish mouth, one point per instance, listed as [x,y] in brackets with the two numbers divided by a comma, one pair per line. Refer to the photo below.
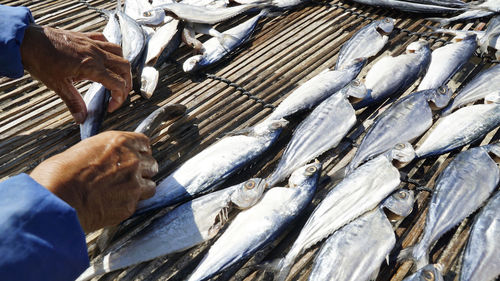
[391,215]
[402,154]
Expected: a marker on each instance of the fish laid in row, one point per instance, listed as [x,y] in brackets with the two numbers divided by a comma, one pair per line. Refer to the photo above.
[356,251]
[404,121]
[356,194]
[261,224]
[186,226]
[463,186]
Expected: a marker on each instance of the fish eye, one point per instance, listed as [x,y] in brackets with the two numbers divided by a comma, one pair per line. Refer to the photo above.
[146,14]
[428,275]
[311,170]
[402,194]
[250,184]
[386,20]
[400,146]
[355,83]
[442,90]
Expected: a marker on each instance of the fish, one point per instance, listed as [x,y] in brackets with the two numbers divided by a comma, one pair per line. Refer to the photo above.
[365,43]
[149,81]
[166,112]
[480,261]
[214,50]
[143,13]
[404,121]
[134,41]
[317,89]
[447,60]
[491,34]
[186,226]
[358,193]
[462,187]
[322,130]
[411,7]
[213,165]
[393,75]
[483,84]
[430,272]
[211,4]
[189,38]
[446,3]
[356,251]
[200,14]
[462,127]
[466,15]
[97,96]
[164,41]
[255,227]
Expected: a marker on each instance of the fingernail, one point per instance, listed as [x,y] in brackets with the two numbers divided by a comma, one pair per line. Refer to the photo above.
[79,117]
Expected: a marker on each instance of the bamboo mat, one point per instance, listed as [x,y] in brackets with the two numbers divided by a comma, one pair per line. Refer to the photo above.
[284,52]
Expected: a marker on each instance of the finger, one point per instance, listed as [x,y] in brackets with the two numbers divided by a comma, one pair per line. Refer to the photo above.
[121,67]
[111,47]
[73,101]
[97,36]
[148,167]
[113,82]
[138,142]
[148,189]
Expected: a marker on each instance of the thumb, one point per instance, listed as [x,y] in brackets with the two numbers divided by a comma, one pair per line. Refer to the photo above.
[73,100]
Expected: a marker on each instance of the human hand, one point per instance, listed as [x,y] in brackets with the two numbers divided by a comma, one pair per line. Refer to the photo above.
[102,177]
[60,57]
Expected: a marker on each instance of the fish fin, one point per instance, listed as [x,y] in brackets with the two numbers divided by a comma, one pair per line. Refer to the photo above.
[416,253]
[405,254]
[441,21]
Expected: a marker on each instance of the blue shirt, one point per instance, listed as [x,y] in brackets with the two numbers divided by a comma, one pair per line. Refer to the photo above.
[40,235]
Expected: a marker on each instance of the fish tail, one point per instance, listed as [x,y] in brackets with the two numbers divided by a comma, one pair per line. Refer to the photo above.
[282,269]
[417,253]
[91,272]
[441,21]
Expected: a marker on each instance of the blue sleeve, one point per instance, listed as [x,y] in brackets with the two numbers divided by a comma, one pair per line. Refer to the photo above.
[40,236]
[13,22]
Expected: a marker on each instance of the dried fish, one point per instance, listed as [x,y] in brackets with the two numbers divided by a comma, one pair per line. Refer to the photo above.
[166,112]
[317,89]
[403,121]
[430,272]
[411,6]
[447,60]
[359,192]
[164,41]
[186,226]
[259,225]
[356,251]
[142,12]
[461,127]
[461,188]
[367,42]
[213,165]
[467,15]
[322,130]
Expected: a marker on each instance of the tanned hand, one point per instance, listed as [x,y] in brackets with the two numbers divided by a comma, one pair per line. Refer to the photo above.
[58,58]
[102,177]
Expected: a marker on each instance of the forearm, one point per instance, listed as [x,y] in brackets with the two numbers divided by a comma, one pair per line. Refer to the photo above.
[13,22]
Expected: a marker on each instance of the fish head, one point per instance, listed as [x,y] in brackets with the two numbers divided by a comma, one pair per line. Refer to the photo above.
[417,47]
[399,204]
[355,91]
[385,26]
[248,193]
[307,173]
[401,154]
[430,272]
[152,17]
[149,80]
[439,98]
[269,126]
[492,98]
[192,63]
[355,66]
[469,36]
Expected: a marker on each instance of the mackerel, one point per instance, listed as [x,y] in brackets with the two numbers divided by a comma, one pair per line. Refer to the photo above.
[430,272]
[403,121]
[322,130]
[356,251]
[367,42]
[317,89]
[359,192]
[253,228]
[482,253]
[460,189]
[462,127]
[393,75]
[212,166]
[186,226]
[447,60]
[483,84]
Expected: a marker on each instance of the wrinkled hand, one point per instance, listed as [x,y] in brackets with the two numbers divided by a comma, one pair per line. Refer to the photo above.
[59,58]
[102,177]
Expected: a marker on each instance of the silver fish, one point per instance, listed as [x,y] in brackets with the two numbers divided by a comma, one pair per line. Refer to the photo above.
[317,89]
[164,41]
[411,6]
[403,121]
[214,49]
[491,33]
[199,14]
[367,42]
[461,188]
[168,111]
[461,127]
[149,81]
[322,130]
[213,165]
[392,75]
[259,225]
[211,4]
[447,60]
[482,253]
[133,40]
[467,15]
[485,83]
[356,194]
[430,272]
[143,13]
[446,3]
[186,226]
[356,251]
